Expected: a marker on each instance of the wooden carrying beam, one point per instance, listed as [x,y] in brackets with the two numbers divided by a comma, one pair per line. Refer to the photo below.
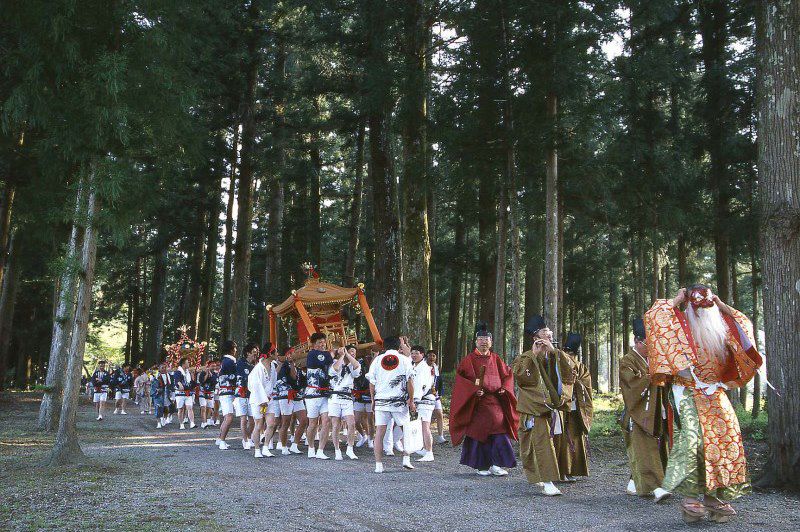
[373,329]
[301,309]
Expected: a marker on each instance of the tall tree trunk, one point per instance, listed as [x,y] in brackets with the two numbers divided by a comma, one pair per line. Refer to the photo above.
[349,276]
[594,359]
[551,288]
[416,245]
[754,283]
[626,322]
[209,273]
[8,300]
[385,220]
[500,268]
[454,313]
[50,406]
[158,300]
[683,273]
[66,449]
[533,286]
[313,213]
[272,262]
[227,261]
[779,183]
[240,285]
[713,15]
[191,314]
[5,226]
[136,314]
[613,374]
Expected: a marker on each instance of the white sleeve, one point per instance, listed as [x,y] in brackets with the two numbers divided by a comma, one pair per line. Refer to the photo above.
[355,372]
[371,373]
[409,369]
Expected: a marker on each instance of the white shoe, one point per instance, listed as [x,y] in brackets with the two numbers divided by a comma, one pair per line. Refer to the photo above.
[124,413]
[440,439]
[270,446]
[388,452]
[142,412]
[427,458]
[279,446]
[321,455]
[224,446]
[294,449]
[258,454]
[660,494]
[285,451]
[202,424]
[99,418]
[312,453]
[169,418]
[407,462]
[398,445]
[217,442]
[421,452]
[631,488]
[568,478]
[116,411]
[550,490]
[378,467]
[361,441]
[246,445]
[484,473]
[192,425]
[371,444]
[266,452]
[498,471]
[158,425]
[337,455]
[182,427]
[216,423]
[350,454]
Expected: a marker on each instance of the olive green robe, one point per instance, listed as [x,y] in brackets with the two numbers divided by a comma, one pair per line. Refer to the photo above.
[572,446]
[644,423]
[545,385]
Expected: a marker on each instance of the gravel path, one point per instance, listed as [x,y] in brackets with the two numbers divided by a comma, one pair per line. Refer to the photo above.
[133,467]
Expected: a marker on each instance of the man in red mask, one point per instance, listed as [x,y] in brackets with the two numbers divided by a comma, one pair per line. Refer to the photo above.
[483,409]
[701,352]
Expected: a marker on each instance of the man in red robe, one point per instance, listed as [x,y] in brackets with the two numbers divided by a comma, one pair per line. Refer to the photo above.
[483,409]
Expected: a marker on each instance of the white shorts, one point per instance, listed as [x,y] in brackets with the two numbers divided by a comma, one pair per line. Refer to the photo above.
[122,395]
[274,408]
[226,404]
[206,402]
[254,410]
[288,407]
[184,400]
[100,397]
[316,406]
[383,417]
[425,412]
[242,407]
[340,409]
[362,407]
[438,404]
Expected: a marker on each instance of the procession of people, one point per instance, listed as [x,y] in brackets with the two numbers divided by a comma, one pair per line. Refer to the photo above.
[680,431]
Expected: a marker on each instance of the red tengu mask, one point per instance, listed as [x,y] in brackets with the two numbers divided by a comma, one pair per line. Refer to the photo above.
[701,298]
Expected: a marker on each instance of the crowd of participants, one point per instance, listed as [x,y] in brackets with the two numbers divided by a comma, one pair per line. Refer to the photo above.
[345,397]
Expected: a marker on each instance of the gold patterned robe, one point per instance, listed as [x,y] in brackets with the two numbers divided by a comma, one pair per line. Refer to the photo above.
[707,455]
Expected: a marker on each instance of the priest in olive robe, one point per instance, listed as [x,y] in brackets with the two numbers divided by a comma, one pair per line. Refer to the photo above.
[645,420]
[572,445]
[545,380]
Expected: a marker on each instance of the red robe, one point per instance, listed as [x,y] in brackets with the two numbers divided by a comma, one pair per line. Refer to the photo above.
[494,413]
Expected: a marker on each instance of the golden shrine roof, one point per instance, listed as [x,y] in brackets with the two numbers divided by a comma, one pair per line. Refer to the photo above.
[317,296]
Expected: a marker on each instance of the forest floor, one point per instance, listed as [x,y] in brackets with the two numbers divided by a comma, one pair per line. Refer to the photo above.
[137,477]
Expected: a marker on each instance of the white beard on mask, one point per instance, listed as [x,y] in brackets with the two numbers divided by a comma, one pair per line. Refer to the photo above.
[709,331]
